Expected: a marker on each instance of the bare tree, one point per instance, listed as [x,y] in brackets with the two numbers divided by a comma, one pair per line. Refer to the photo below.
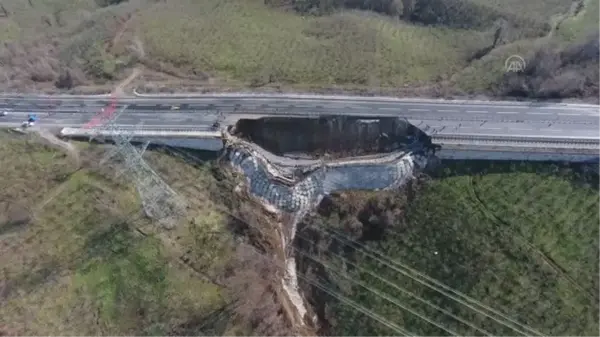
[252,284]
[407,8]
[4,11]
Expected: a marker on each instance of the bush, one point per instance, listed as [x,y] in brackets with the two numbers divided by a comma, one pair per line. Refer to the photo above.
[556,73]
[465,14]
[106,3]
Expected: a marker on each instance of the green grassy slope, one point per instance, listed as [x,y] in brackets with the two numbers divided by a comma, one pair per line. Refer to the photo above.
[521,239]
[78,257]
[253,43]
[577,27]
[233,43]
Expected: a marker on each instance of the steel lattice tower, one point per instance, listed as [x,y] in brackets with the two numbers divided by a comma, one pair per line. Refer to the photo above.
[159,200]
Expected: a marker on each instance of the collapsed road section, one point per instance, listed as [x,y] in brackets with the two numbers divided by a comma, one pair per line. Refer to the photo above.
[290,187]
[288,165]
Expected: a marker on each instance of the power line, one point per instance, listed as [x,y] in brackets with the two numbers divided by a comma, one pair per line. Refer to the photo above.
[403,290]
[506,319]
[346,301]
[385,296]
[159,200]
[378,293]
[394,265]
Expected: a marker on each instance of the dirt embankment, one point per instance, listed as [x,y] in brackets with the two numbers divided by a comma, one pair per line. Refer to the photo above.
[260,229]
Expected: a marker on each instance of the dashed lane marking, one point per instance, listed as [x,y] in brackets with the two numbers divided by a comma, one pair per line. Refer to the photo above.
[448,110]
[538,113]
[568,114]
[476,112]
[418,109]
[507,112]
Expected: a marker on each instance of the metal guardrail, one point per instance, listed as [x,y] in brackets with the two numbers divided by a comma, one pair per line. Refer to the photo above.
[540,146]
[455,139]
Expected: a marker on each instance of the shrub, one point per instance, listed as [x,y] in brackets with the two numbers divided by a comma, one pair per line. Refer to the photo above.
[556,73]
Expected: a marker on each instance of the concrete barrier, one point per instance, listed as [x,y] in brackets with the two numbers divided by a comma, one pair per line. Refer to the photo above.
[495,155]
[390,99]
[34,97]
[541,143]
[82,132]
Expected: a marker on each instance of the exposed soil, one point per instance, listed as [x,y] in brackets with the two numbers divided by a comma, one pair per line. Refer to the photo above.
[64,145]
[331,137]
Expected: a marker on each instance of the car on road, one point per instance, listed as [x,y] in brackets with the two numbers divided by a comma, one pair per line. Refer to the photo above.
[31,119]
[3,113]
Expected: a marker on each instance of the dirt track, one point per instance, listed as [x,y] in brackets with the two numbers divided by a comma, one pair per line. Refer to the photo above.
[68,147]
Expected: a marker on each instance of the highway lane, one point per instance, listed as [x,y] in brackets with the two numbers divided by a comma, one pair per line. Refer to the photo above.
[441,116]
[192,121]
[294,105]
[540,129]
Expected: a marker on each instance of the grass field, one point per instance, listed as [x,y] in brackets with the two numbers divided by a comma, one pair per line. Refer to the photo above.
[539,10]
[236,44]
[78,257]
[253,43]
[521,238]
[577,27]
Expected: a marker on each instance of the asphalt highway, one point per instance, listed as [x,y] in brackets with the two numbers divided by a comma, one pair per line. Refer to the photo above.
[433,116]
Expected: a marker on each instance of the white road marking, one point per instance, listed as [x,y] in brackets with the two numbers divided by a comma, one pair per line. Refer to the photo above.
[328,100]
[393,109]
[448,110]
[61,122]
[507,112]
[491,128]
[136,126]
[418,109]
[476,112]
[568,114]
[20,113]
[538,113]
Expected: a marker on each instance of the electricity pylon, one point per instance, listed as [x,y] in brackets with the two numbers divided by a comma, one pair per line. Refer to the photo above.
[159,200]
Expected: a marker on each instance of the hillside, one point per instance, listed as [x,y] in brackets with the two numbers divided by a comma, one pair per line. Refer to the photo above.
[409,47]
[519,238]
[79,255]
